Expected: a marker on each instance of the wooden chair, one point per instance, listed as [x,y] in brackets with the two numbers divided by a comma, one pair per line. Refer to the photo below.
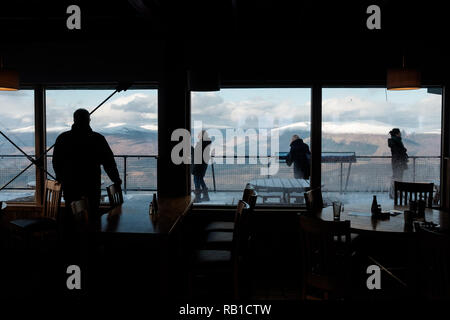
[326,254]
[208,262]
[433,265]
[314,200]
[409,191]
[223,239]
[49,218]
[229,225]
[115,195]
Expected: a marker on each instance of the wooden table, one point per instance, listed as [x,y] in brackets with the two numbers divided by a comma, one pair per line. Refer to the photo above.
[132,217]
[286,186]
[361,220]
[144,250]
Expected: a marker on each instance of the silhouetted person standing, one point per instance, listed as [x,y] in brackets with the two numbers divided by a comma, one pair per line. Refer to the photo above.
[300,156]
[77,157]
[199,168]
[399,156]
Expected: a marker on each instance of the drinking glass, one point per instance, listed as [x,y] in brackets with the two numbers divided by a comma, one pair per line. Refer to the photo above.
[337,205]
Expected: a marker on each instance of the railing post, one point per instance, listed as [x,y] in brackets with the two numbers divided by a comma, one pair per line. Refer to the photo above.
[213,175]
[125,174]
[414,169]
[340,180]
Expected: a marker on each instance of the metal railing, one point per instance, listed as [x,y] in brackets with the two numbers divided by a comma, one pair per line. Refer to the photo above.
[368,173]
[138,172]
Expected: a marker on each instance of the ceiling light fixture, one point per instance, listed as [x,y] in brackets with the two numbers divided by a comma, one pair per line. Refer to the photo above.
[9,79]
[403,79]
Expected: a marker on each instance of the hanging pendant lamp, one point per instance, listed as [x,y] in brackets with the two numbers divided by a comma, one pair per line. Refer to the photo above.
[403,79]
[9,79]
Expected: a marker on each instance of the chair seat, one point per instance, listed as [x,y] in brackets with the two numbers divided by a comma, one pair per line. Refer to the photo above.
[37,224]
[220,226]
[219,240]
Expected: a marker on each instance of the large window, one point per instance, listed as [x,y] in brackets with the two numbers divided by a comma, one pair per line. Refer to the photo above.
[356,159]
[275,114]
[17,123]
[128,121]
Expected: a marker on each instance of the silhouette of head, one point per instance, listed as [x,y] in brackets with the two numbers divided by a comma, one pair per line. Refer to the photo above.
[203,135]
[395,132]
[294,137]
[81,117]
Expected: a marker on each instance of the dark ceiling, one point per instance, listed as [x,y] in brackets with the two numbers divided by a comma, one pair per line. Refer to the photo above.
[251,42]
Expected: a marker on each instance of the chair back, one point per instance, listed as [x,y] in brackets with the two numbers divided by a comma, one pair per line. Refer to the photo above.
[241,210]
[115,195]
[433,259]
[326,252]
[409,191]
[80,211]
[313,199]
[245,224]
[52,201]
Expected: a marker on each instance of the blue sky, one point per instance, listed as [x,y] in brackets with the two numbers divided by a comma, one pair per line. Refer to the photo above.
[346,110]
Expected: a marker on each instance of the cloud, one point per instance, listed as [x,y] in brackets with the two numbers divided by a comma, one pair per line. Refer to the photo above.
[202,100]
[138,102]
[344,110]
[151,127]
[22,130]
[356,127]
[115,124]
[253,112]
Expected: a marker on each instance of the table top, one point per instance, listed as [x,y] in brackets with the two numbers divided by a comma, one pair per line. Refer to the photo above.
[280,184]
[132,217]
[361,219]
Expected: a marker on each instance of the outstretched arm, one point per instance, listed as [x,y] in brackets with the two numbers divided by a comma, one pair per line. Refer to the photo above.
[108,162]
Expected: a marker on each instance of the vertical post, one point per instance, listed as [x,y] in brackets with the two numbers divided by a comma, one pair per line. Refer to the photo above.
[340,181]
[414,169]
[316,136]
[174,110]
[125,174]
[39,141]
[445,148]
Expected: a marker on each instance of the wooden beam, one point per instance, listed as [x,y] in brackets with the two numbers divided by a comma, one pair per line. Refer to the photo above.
[316,136]
[40,141]
[445,148]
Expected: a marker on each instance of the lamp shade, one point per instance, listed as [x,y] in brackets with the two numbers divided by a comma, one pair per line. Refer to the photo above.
[403,79]
[9,80]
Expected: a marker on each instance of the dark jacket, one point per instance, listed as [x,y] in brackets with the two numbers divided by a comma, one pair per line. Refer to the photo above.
[398,150]
[300,156]
[199,169]
[77,157]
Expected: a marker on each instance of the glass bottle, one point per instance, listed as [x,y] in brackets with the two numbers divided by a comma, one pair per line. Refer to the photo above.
[374,208]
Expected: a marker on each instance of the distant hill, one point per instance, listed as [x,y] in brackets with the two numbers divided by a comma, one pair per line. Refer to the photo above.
[135,140]
[123,140]
[424,144]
